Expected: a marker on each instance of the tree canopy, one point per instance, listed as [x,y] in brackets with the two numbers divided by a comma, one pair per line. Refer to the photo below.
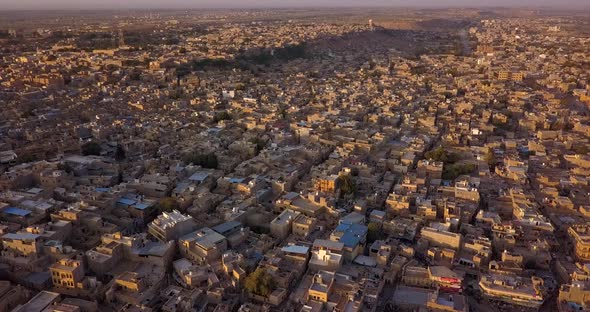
[260,282]
[167,204]
[451,172]
[373,232]
[441,154]
[119,153]
[346,184]
[204,160]
[221,116]
[490,158]
[91,148]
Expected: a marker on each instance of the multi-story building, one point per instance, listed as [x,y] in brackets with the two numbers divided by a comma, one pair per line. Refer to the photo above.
[416,276]
[155,185]
[103,258]
[39,302]
[326,255]
[321,287]
[353,236]
[67,273]
[280,227]
[12,295]
[398,205]
[580,234]
[442,238]
[574,296]
[503,236]
[171,225]
[513,289]
[21,244]
[467,189]
[511,75]
[326,184]
[430,169]
[202,246]
[425,208]
[303,225]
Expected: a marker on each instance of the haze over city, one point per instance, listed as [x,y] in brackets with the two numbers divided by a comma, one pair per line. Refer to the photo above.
[294,156]
[191,4]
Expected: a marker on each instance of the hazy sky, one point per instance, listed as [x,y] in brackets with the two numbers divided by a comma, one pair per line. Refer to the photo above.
[125,4]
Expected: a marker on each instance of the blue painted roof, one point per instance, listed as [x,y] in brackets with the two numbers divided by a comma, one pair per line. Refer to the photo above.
[352,235]
[102,189]
[21,236]
[16,211]
[141,206]
[296,249]
[236,180]
[199,176]
[126,201]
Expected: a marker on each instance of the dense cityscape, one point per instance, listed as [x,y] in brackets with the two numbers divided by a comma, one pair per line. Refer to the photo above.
[307,160]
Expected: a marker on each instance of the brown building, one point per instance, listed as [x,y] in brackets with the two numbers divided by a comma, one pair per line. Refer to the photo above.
[580,234]
[326,184]
[321,287]
[430,169]
[67,273]
[304,225]
[11,296]
[575,294]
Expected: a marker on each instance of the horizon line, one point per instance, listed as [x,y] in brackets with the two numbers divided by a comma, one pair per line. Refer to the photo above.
[303,7]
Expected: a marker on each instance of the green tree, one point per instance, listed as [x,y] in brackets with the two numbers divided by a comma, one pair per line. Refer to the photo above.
[283,113]
[135,75]
[441,154]
[490,158]
[346,184]
[204,160]
[438,154]
[221,116]
[451,172]
[260,144]
[91,148]
[65,167]
[168,204]
[119,153]
[260,282]
[27,158]
[373,232]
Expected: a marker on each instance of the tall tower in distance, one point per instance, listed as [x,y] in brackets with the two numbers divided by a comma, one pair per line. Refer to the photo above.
[121,38]
[371,25]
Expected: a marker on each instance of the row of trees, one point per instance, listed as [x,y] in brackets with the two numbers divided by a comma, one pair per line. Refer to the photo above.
[265,57]
[208,160]
[286,53]
[452,169]
[93,148]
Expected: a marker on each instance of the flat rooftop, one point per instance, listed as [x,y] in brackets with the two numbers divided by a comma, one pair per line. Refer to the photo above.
[39,302]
